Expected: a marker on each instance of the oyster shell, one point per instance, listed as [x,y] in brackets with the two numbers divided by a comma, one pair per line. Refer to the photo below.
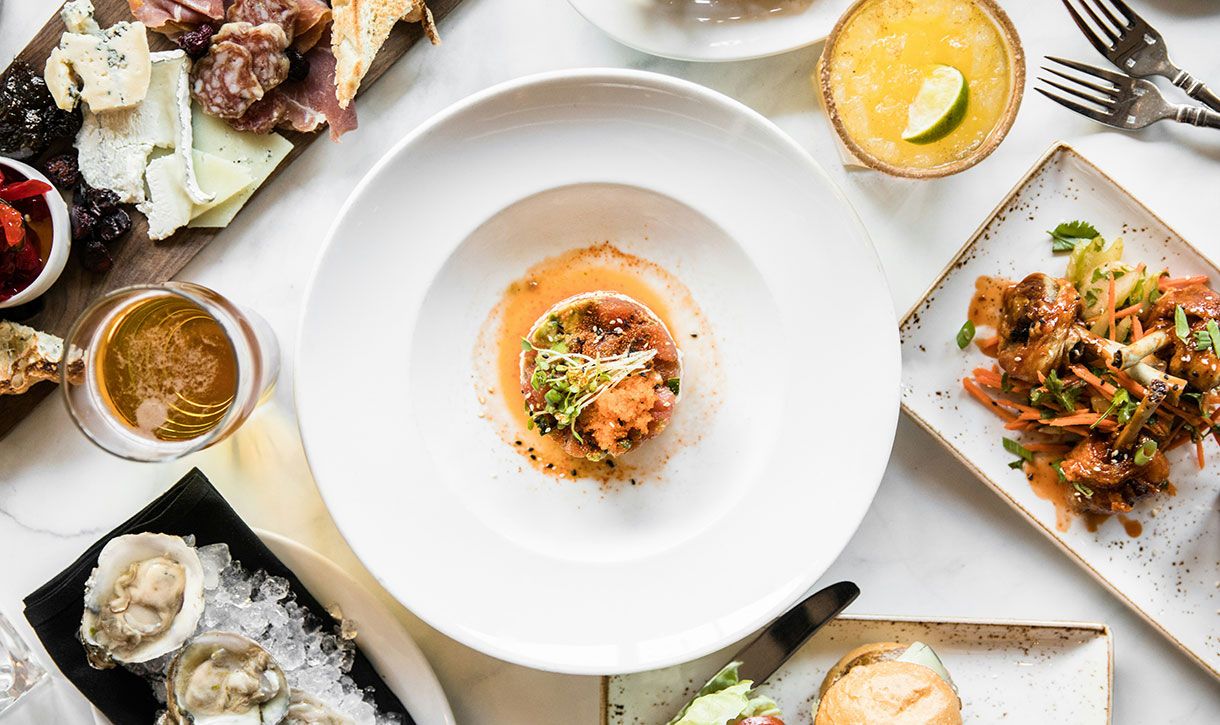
[305,709]
[143,600]
[223,678]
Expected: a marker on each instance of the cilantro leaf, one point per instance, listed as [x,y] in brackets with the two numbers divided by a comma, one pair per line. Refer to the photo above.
[1065,236]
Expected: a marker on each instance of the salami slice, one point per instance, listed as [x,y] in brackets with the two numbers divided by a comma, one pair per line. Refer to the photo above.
[266,44]
[256,12]
[223,81]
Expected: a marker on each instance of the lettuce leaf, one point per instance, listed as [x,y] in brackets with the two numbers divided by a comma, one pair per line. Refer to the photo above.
[725,697]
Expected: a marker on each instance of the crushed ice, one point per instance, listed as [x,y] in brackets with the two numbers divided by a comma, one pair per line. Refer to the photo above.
[316,656]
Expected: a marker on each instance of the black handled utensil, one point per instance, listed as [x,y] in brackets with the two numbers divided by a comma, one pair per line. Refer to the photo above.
[783,637]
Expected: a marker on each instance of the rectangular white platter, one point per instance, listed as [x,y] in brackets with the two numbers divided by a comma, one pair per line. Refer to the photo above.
[1020,672]
[1170,574]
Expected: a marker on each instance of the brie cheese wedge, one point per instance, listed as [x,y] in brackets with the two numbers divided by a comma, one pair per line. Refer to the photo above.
[114,146]
[168,207]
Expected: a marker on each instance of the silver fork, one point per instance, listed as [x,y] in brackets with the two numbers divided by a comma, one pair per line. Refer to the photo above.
[1130,43]
[1118,100]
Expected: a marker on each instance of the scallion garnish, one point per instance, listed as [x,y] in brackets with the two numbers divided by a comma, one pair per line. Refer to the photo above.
[965,335]
[1181,327]
[1015,448]
[1144,453]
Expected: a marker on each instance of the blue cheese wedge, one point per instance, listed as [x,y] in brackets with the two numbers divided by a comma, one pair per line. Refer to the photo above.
[256,154]
[105,68]
[114,146]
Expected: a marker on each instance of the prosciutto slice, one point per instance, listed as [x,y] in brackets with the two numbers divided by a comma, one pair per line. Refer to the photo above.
[172,16]
[302,105]
[313,19]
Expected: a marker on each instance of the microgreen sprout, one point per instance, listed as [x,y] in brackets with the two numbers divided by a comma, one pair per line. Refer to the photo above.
[573,381]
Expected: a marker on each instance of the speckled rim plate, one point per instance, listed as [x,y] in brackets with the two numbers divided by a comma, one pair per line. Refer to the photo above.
[670,28]
[1006,671]
[1169,575]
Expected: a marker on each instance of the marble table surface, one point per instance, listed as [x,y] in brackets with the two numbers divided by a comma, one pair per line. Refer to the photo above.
[936,542]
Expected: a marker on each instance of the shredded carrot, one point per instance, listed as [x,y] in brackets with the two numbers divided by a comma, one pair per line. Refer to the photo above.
[1102,386]
[1168,283]
[1076,419]
[1199,453]
[989,378]
[1017,425]
[1128,311]
[978,394]
[1137,328]
[1110,302]
[1056,448]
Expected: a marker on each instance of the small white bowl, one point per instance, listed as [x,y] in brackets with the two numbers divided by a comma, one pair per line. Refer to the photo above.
[61,237]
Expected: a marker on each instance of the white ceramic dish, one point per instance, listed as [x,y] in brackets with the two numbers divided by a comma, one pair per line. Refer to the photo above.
[559,574]
[1019,672]
[61,238]
[1169,574]
[381,637]
[713,30]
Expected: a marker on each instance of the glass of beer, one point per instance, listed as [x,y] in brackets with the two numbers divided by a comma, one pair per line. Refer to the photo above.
[155,372]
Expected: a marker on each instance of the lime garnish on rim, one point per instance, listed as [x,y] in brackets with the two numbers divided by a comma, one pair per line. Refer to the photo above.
[939,107]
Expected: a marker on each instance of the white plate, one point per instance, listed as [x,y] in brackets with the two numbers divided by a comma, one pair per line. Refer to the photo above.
[714,30]
[1169,574]
[382,638]
[564,575]
[1018,672]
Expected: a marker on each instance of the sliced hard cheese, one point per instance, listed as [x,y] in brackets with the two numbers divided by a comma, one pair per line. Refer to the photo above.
[114,146]
[168,207]
[221,178]
[257,154]
[107,69]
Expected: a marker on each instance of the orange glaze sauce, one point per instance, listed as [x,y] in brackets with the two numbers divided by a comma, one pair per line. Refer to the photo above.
[987,299]
[1045,482]
[601,267]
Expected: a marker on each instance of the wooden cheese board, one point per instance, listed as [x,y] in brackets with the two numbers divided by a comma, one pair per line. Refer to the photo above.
[138,259]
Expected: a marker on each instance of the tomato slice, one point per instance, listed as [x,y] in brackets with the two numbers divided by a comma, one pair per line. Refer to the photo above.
[759,720]
[13,224]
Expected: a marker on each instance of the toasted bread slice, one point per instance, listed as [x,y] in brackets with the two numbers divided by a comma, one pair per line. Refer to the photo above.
[28,356]
[359,29]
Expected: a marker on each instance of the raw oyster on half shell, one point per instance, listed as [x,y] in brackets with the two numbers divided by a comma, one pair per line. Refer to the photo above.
[143,600]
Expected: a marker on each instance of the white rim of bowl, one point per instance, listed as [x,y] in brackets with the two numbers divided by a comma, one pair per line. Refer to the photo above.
[618,75]
[578,7]
[61,237]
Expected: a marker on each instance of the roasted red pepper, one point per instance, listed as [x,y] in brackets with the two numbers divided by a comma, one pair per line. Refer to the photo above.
[13,224]
[23,190]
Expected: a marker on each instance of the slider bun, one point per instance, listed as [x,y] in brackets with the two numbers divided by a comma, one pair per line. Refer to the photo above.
[889,693]
[866,654]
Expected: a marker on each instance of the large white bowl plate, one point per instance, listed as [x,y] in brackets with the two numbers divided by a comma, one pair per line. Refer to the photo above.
[772,480]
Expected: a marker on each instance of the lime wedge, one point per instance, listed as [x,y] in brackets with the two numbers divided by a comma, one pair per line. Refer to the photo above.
[939,107]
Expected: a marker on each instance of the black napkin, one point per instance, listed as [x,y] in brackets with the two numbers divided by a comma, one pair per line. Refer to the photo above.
[192,506]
